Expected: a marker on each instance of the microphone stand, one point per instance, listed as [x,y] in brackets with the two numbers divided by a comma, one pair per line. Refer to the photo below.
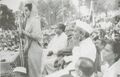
[21,70]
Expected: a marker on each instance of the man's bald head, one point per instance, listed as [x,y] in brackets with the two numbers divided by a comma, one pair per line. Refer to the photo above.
[86,66]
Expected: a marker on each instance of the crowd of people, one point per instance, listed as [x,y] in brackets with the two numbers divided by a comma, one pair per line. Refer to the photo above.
[78,49]
[84,44]
[9,40]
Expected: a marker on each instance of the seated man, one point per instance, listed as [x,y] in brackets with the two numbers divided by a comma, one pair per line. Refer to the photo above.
[71,42]
[85,46]
[58,43]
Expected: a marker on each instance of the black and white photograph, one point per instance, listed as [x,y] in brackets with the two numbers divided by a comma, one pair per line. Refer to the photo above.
[59,38]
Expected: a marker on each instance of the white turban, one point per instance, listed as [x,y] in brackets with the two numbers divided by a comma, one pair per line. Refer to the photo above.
[84,26]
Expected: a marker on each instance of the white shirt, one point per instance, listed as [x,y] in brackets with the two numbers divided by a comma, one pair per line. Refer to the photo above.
[113,71]
[86,48]
[58,43]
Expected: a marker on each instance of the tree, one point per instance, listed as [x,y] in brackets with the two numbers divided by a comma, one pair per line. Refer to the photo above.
[54,10]
[106,5]
[7,19]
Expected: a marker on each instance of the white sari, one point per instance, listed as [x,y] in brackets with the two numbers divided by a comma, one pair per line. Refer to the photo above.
[34,50]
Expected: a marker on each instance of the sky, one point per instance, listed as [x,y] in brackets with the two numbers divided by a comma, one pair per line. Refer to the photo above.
[12,4]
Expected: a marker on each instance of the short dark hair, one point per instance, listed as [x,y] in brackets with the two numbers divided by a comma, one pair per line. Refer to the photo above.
[29,6]
[86,65]
[62,27]
[115,47]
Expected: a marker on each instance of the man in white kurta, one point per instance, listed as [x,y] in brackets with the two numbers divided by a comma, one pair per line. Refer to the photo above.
[59,42]
[86,48]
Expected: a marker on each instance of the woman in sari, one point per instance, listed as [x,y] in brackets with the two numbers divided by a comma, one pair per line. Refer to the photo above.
[32,46]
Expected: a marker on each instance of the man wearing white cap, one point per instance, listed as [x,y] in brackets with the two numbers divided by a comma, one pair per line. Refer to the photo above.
[85,48]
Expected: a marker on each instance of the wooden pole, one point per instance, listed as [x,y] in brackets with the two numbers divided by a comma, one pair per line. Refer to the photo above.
[20,71]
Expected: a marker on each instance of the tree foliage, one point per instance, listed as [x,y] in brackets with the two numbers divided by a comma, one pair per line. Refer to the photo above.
[7,19]
[106,5]
[55,10]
